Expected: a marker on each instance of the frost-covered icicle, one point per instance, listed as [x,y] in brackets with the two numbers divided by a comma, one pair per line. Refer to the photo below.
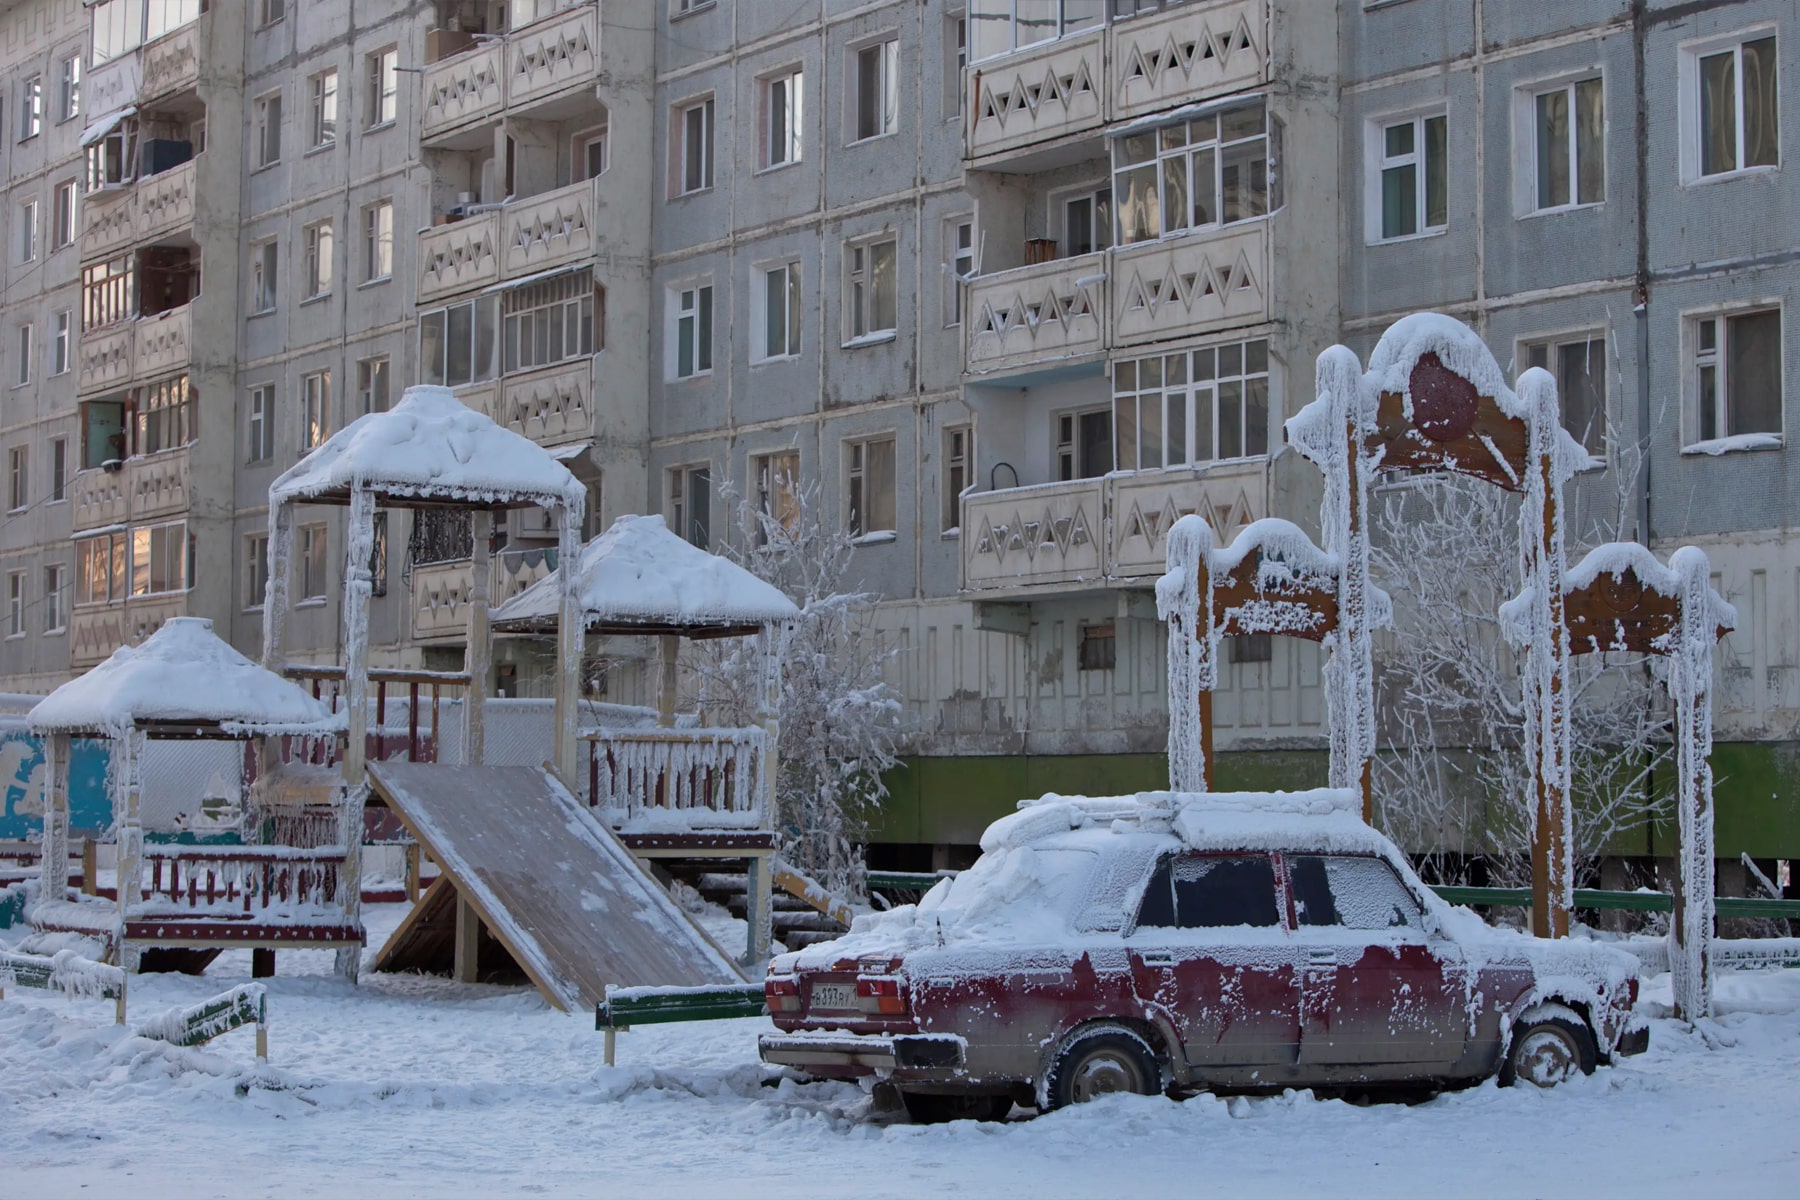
[1187,608]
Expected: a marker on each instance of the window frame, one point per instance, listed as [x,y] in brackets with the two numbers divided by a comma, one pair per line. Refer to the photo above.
[62,342]
[1072,448]
[581,144]
[270,12]
[483,310]
[30,212]
[887,88]
[789,141]
[957,256]
[15,605]
[374,380]
[861,294]
[59,471]
[115,553]
[69,88]
[776,475]
[1552,344]
[1378,163]
[381,80]
[1691,88]
[1216,148]
[24,353]
[56,590]
[31,107]
[256,571]
[792,311]
[1130,388]
[701,314]
[958,462]
[265,129]
[18,478]
[315,410]
[1527,165]
[682,495]
[265,276]
[259,424]
[325,96]
[1065,26]
[320,241]
[1100,216]
[861,482]
[378,241]
[1695,360]
[64,199]
[314,556]
[682,164]
[145,538]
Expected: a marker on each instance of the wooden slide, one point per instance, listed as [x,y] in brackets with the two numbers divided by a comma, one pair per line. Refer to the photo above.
[570,904]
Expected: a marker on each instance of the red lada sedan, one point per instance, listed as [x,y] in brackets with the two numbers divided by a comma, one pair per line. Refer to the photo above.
[1171,942]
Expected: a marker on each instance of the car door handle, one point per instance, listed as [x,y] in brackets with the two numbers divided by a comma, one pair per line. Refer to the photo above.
[1161,958]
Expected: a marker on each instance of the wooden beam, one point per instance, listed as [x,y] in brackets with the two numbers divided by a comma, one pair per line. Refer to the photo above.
[468,941]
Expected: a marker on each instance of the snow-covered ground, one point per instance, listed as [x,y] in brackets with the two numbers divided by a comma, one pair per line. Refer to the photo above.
[414,1085]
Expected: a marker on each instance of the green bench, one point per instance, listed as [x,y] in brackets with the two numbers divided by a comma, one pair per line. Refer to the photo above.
[624,1007]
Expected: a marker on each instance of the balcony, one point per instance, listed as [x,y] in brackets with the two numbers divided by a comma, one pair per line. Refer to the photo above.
[1026,105]
[146,348]
[669,780]
[150,209]
[536,234]
[553,406]
[143,488]
[1098,533]
[530,65]
[440,591]
[170,64]
[1196,284]
[96,630]
[1037,314]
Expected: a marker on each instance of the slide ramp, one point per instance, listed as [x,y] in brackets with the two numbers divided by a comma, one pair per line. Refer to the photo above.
[551,883]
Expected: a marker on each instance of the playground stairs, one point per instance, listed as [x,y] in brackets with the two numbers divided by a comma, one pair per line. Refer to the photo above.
[795,923]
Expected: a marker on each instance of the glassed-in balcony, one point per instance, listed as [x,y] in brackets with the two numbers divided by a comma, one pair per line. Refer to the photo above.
[517,71]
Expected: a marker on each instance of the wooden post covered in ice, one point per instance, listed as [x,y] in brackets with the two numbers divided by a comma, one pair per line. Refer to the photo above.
[1620,598]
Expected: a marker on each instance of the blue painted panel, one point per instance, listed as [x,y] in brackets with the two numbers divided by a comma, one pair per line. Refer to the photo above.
[21,775]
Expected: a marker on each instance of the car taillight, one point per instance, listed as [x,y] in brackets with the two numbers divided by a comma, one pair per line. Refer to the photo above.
[1631,991]
[782,994]
[880,994]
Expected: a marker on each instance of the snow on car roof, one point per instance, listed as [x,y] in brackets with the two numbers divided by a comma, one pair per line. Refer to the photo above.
[1322,819]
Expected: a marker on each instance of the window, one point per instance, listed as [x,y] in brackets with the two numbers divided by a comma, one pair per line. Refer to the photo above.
[382,70]
[100,574]
[875,106]
[270,11]
[870,490]
[59,470]
[1210,891]
[108,292]
[959,461]
[1097,649]
[1736,379]
[1196,406]
[684,7]
[112,160]
[22,361]
[28,230]
[1085,219]
[31,108]
[1351,892]
[690,503]
[872,286]
[959,256]
[318,259]
[458,344]
[324,108]
[1212,170]
[15,604]
[315,409]
[264,264]
[102,432]
[693,149]
[372,384]
[1001,26]
[548,321]
[256,569]
[777,491]
[591,153]
[159,559]
[1569,136]
[1250,648]
[691,311]
[60,331]
[1735,117]
[265,130]
[378,554]
[1579,365]
[165,416]
[18,479]
[62,215]
[313,543]
[69,98]
[1084,444]
[56,601]
[780,118]
[956,59]
[1413,195]
[378,241]
[120,26]
[260,427]
[777,313]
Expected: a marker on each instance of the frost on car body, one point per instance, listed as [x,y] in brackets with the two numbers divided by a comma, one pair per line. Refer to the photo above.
[1248,940]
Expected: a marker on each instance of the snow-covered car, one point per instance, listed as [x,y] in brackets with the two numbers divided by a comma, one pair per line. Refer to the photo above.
[1173,942]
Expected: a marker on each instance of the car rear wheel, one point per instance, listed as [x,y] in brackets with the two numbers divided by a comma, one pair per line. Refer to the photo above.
[927,1108]
[1550,1044]
[1099,1061]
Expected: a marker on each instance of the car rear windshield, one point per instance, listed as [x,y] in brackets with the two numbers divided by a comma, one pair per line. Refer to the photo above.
[1353,891]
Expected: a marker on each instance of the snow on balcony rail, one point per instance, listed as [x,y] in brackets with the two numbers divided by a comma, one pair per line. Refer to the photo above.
[668,780]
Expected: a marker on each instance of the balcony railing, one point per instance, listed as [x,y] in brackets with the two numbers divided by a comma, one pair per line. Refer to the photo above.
[536,234]
[141,349]
[676,780]
[1037,314]
[440,604]
[108,221]
[459,257]
[95,631]
[151,485]
[1099,532]
[242,883]
[541,60]
[171,63]
[151,208]
[1132,68]
[553,406]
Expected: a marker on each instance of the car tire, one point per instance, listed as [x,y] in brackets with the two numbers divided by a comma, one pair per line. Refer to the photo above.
[1099,1060]
[931,1108]
[1549,1044]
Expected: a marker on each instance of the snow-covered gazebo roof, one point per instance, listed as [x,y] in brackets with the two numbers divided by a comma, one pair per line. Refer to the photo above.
[185,681]
[639,577]
[430,448]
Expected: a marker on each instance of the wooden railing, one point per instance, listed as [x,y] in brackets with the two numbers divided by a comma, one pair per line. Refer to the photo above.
[687,778]
[239,882]
[424,697]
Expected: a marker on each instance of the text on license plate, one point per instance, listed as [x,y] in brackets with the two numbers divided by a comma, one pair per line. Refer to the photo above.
[833,995]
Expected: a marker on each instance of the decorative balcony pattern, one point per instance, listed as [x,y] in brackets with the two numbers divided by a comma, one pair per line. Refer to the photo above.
[1098,532]
[95,631]
[165,202]
[171,63]
[462,89]
[108,221]
[1037,314]
[441,591]
[655,780]
[1189,53]
[557,52]
[98,499]
[103,358]
[551,407]
[162,342]
[548,230]
[459,256]
[1037,95]
[134,351]
[158,484]
[1189,285]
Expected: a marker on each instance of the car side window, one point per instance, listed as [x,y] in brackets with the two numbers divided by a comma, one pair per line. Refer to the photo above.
[1351,891]
[1211,892]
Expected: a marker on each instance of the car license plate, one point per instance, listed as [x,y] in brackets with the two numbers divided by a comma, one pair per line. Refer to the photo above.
[833,995]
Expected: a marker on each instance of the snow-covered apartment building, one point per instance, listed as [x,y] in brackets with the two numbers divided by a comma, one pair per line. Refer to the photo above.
[1003,286]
